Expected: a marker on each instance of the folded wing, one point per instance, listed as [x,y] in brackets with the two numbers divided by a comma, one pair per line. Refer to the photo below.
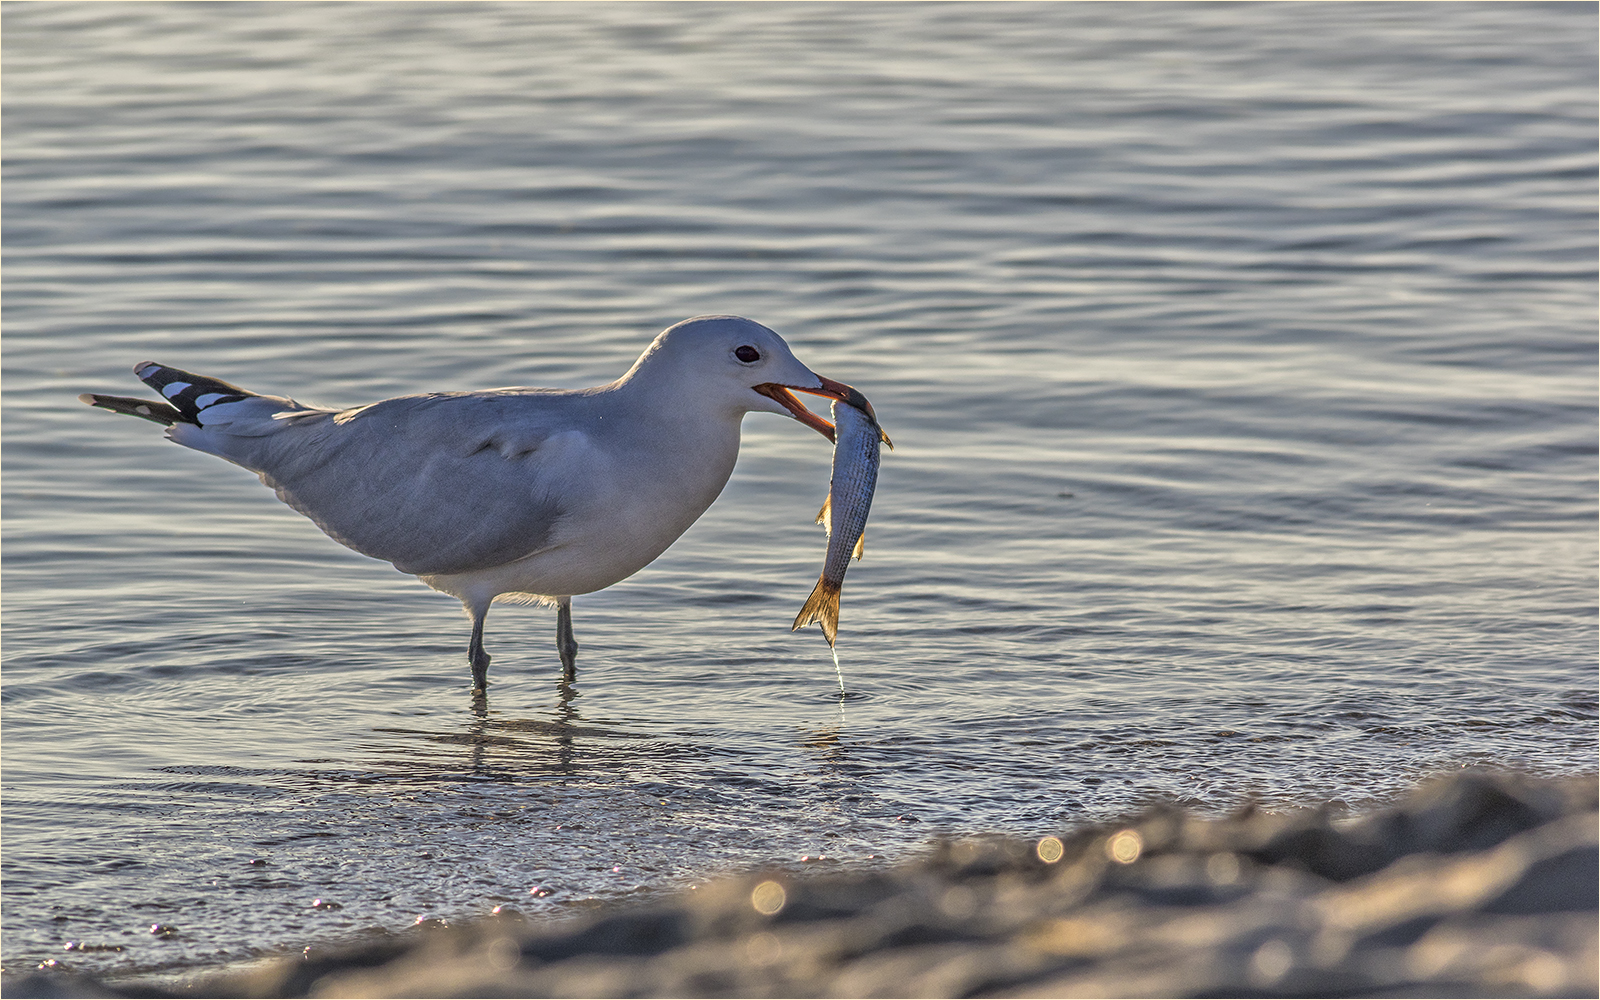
[435,484]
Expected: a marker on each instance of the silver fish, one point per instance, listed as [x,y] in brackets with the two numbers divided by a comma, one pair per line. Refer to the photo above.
[855,476]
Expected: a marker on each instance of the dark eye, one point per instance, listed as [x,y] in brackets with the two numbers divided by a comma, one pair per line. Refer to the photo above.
[746,353]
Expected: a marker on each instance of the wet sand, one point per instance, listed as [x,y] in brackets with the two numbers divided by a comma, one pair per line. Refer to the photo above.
[1476,885]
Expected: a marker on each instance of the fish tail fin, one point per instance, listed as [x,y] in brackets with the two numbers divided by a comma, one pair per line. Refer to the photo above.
[821,607]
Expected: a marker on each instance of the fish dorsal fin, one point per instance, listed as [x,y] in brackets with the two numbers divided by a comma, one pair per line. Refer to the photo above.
[861,545]
[825,515]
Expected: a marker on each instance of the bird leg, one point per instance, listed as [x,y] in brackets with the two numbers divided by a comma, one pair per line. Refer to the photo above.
[566,643]
[475,654]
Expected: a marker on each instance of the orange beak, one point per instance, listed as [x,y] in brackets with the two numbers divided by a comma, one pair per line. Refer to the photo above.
[829,388]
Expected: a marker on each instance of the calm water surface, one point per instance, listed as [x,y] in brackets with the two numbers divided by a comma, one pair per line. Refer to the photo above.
[1241,363]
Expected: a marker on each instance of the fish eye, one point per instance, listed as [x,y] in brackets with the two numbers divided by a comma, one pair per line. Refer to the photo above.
[747,354]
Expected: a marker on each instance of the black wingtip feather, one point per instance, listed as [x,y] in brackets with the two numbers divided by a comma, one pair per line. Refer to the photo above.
[189,394]
[148,409]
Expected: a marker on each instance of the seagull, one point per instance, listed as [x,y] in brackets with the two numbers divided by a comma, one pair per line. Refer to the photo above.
[530,495]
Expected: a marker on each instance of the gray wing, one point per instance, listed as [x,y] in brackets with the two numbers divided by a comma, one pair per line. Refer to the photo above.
[443,483]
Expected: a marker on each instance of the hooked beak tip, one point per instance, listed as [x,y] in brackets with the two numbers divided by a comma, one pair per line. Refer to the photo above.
[846,394]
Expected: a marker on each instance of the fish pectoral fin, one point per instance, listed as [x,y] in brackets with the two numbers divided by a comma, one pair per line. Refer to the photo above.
[821,607]
[825,515]
[861,545]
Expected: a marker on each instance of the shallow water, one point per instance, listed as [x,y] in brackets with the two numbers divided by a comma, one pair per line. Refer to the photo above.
[1240,362]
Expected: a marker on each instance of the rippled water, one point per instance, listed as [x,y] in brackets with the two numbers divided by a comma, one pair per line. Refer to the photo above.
[1240,362]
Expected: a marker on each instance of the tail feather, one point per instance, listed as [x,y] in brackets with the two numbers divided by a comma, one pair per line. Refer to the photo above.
[821,607]
[149,409]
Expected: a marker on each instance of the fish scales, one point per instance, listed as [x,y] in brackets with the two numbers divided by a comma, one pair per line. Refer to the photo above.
[844,513]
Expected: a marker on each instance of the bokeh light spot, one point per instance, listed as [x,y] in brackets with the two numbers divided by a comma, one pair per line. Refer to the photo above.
[1125,847]
[768,898]
[1050,850]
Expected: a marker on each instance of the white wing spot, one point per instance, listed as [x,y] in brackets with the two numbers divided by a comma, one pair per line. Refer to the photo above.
[208,399]
[174,388]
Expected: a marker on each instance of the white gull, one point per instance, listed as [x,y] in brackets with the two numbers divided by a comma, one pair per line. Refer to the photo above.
[512,493]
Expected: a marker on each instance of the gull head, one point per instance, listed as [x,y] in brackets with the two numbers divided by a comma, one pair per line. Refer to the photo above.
[739,364]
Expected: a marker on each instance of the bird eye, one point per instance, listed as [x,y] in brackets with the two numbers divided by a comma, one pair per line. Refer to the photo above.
[746,353]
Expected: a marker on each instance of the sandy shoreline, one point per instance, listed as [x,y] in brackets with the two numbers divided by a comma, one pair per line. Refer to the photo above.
[1475,885]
